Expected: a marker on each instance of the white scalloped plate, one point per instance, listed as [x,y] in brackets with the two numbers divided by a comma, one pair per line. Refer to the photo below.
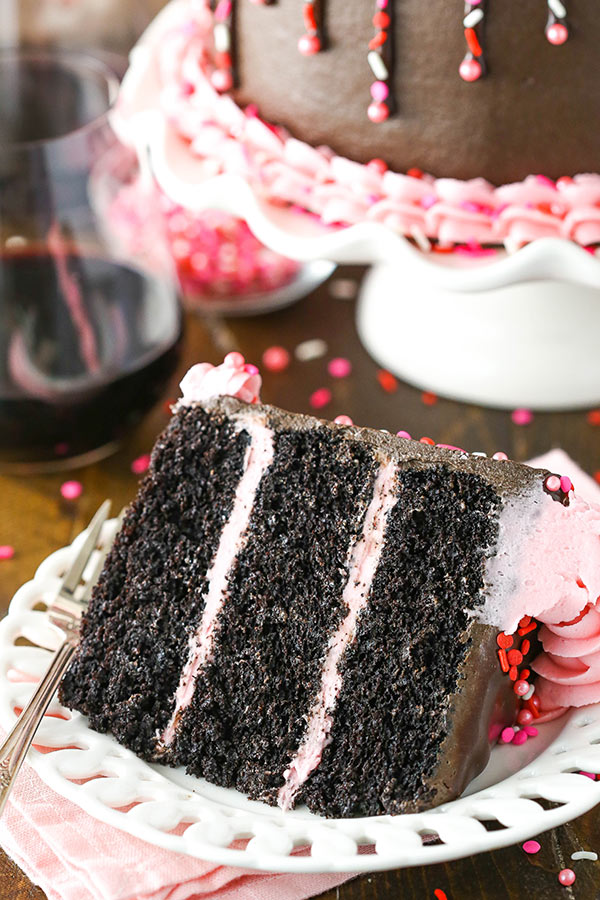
[524,790]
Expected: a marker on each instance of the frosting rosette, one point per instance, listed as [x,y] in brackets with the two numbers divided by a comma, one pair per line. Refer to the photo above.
[233,378]
[569,667]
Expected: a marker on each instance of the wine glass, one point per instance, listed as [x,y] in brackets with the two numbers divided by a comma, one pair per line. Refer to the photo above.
[89,334]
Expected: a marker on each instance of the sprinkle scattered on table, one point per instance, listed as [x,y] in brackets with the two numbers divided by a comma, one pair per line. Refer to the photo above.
[339,367]
[522,416]
[276,359]
[312,349]
[429,398]
[343,420]
[61,449]
[593,417]
[343,288]
[71,490]
[140,464]
[320,398]
[439,894]
[531,847]
[7,551]
[585,854]
[387,381]
[566,877]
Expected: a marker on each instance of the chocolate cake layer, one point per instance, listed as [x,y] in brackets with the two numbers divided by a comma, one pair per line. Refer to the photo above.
[412,641]
[151,593]
[532,113]
[284,601]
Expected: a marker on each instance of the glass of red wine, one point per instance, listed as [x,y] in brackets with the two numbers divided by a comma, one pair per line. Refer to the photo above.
[89,333]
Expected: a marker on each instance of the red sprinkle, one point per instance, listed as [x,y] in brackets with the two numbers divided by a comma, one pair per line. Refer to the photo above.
[527,629]
[381,19]
[566,877]
[414,172]
[429,398]
[439,894]
[531,847]
[320,398]
[6,551]
[593,417]
[387,381]
[597,476]
[525,717]
[513,673]
[524,621]
[378,41]
[427,440]
[515,657]
[276,359]
[525,673]
[140,464]
[521,687]
[310,22]
[472,42]
[503,660]
[71,490]
[504,640]
[525,647]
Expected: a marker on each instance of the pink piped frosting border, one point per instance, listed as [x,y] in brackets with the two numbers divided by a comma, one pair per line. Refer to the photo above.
[226,139]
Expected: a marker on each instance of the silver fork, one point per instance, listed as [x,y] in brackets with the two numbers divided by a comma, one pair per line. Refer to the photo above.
[65,611]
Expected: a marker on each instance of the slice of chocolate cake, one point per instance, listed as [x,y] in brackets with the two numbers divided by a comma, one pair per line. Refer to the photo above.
[322,614]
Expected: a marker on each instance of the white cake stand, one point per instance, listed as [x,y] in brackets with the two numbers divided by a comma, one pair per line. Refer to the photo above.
[502,330]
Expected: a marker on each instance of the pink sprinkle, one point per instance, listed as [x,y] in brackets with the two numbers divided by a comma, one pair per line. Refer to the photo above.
[404,434]
[61,449]
[339,367]
[276,359]
[140,465]
[343,420]
[71,490]
[500,455]
[589,775]
[507,735]
[519,738]
[522,416]
[553,483]
[566,877]
[379,91]
[525,717]
[566,484]
[251,369]
[530,731]
[320,398]
[6,551]
[531,847]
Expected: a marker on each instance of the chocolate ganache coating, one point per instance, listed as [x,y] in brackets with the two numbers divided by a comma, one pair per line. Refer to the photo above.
[534,111]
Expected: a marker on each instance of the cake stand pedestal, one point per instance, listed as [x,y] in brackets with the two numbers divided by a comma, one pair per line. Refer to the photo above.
[499,330]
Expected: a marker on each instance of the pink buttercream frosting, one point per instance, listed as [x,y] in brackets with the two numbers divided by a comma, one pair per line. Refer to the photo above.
[233,378]
[564,596]
[171,71]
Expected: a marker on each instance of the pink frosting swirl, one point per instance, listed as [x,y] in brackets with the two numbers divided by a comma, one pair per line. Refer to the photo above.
[173,72]
[233,378]
[569,667]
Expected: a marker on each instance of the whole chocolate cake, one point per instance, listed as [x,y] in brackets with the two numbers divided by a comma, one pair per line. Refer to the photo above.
[316,613]
[451,123]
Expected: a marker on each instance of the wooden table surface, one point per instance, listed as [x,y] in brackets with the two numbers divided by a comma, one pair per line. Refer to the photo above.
[35,519]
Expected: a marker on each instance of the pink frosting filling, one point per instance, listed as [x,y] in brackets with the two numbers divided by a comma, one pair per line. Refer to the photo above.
[257,459]
[362,564]
[233,378]
[172,73]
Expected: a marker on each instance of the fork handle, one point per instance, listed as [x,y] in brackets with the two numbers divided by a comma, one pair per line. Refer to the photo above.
[18,741]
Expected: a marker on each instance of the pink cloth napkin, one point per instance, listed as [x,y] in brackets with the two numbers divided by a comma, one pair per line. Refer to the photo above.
[74,857]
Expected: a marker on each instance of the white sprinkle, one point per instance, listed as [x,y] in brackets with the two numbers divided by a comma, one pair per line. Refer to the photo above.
[222,37]
[343,288]
[308,350]
[15,240]
[529,693]
[556,7]
[473,18]
[585,854]
[378,67]
[478,453]
[420,238]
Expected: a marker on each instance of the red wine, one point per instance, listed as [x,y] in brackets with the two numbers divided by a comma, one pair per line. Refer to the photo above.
[86,347]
